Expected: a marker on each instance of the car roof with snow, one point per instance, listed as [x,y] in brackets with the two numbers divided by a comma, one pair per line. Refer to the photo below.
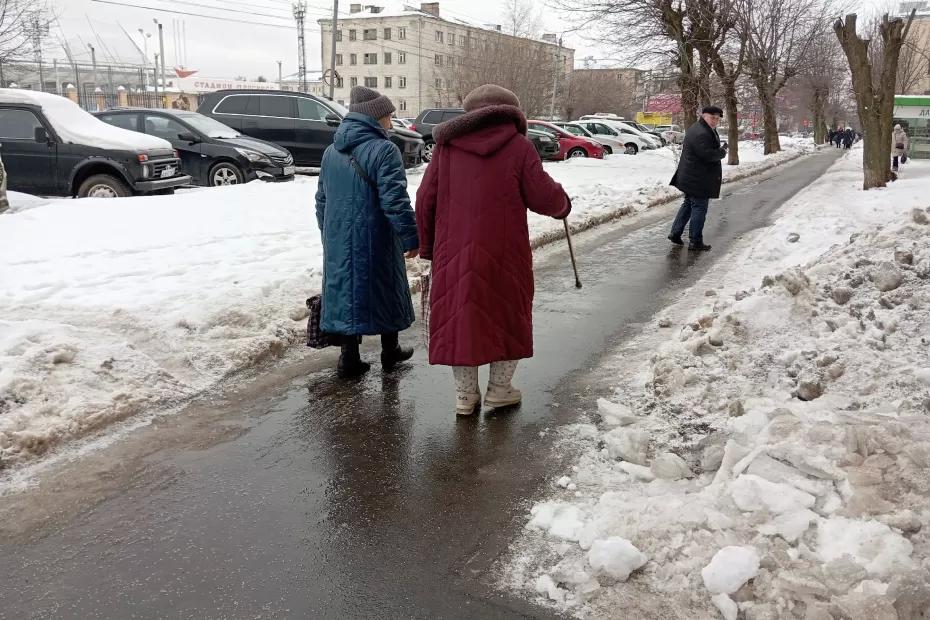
[76,126]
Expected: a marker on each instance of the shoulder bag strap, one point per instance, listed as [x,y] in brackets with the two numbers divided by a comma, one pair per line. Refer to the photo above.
[361,171]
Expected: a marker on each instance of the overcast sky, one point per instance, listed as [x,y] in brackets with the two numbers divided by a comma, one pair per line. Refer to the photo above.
[226,48]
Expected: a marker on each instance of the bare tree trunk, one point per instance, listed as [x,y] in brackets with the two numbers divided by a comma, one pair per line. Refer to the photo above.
[875,101]
[818,105]
[689,99]
[732,103]
[769,123]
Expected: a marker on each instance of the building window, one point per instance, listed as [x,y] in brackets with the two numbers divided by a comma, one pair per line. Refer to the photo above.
[353,82]
[340,83]
[401,58]
[437,104]
[371,82]
[438,60]
[451,38]
[462,41]
[387,34]
[338,35]
[402,105]
[450,61]
[353,59]
[371,59]
[352,35]
[439,36]
[401,82]
[370,34]
[387,58]
[438,83]
[387,82]
[338,59]
[401,33]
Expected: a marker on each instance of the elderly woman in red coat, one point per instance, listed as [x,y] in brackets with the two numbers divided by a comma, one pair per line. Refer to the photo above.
[471,218]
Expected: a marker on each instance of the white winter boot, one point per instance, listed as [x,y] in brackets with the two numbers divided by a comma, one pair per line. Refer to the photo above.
[467,392]
[500,391]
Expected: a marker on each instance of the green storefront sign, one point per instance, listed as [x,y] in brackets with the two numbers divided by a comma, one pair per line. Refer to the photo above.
[913,113]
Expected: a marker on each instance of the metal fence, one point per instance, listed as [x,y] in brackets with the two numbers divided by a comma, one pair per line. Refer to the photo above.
[95,87]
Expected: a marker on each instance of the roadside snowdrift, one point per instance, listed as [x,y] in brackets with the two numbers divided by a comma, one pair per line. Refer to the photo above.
[772,454]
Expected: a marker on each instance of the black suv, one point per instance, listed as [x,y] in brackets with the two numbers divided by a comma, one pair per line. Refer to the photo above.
[52,147]
[428,119]
[299,122]
[212,153]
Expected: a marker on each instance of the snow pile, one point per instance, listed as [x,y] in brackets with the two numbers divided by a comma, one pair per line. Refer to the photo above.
[112,307]
[797,406]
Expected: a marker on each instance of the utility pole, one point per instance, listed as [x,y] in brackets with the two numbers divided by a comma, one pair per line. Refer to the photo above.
[93,62]
[555,79]
[57,79]
[39,30]
[300,13]
[156,81]
[161,51]
[332,52]
[280,80]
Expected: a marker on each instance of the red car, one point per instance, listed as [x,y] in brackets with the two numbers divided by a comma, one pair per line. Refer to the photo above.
[570,145]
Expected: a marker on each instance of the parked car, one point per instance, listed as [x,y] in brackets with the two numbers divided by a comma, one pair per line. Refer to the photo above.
[570,145]
[547,146]
[601,115]
[401,123]
[632,143]
[52,147]
[429,118]
[649,131]
[611,145]
[673,133]
[301,123]
[212,153]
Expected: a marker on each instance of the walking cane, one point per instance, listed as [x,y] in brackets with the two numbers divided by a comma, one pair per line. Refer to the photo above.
[571,251]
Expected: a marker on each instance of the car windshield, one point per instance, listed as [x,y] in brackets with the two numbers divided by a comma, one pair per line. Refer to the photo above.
[575,129]
[209,127]
[340,109]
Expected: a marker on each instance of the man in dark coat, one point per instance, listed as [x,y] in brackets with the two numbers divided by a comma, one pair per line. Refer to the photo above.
[368,228]
[699,176]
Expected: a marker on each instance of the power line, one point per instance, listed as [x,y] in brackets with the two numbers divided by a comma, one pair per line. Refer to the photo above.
[222,19]
[207,6]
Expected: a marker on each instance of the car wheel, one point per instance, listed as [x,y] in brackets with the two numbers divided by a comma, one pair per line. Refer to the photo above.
[428,151]
[103,186]
[576,152]
[225,173]
[608,150]
[631,149]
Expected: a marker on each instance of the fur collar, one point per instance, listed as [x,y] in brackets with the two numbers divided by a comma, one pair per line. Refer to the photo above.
[477,120]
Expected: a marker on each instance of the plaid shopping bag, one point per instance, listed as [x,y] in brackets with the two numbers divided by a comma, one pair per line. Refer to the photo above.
[316,339]
[424,307]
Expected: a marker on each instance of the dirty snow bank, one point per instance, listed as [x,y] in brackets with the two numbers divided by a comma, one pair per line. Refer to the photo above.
[770,456]
[112,307]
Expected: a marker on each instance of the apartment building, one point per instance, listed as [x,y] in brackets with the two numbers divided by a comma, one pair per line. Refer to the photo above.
[423,59]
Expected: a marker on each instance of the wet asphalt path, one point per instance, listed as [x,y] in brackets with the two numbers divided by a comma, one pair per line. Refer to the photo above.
[316,498]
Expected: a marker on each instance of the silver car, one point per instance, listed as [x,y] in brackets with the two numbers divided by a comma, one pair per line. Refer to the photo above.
[611,144]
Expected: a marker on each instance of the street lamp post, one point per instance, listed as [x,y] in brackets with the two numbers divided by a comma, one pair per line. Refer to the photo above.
[161,53]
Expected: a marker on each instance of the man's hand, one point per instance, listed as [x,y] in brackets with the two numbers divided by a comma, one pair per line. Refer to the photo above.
[412,253]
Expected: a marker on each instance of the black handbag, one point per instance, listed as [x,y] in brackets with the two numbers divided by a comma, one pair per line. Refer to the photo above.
[316,339]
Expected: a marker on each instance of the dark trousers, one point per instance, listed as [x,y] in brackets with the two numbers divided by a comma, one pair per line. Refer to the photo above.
[894,162]
[350,344]
[695,210]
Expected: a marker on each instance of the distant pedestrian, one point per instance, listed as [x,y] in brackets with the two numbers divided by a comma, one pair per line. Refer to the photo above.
[4,201]
[699,176]
[848,138]
[471,213]
[899,146]
[838,138]
[368,228]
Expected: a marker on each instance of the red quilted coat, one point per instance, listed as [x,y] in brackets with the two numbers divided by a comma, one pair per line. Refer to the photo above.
[471,219]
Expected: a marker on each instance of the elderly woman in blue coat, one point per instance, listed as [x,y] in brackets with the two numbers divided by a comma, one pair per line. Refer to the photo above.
[368,228]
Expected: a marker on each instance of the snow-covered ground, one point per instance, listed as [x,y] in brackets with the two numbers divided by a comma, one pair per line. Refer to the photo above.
[112,307]
[766,452]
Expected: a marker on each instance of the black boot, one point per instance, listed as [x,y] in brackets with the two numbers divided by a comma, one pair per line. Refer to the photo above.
[699,247]
[392,353]
[350,364]
[676,239]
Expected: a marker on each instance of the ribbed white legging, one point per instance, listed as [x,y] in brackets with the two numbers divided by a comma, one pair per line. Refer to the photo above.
[466,377]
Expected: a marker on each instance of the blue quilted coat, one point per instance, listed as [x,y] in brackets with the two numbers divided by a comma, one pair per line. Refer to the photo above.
[365,233]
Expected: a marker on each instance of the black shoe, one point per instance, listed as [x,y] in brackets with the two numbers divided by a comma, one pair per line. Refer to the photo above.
[390,359]
[701,247]
[351,369]
[676,240]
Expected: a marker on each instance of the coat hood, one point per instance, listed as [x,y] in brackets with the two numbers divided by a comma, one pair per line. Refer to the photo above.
[484,131]
[356,129]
